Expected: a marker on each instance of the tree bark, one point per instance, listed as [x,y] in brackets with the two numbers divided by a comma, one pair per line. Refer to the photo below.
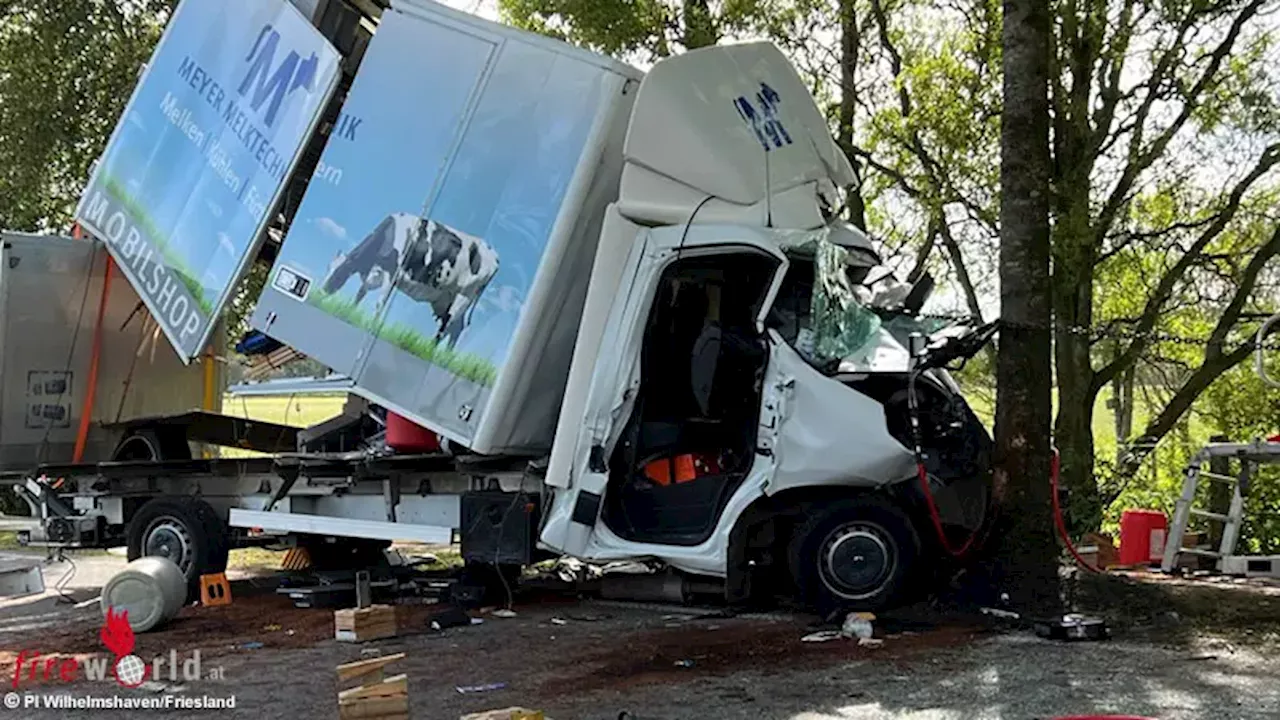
[850,43]
[1028,551]
[1074,258]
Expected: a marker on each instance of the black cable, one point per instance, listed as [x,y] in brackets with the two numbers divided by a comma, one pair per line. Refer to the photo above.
[689,223]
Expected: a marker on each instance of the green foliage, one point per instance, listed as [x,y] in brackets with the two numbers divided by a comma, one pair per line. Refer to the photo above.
[641,30]
[67,68]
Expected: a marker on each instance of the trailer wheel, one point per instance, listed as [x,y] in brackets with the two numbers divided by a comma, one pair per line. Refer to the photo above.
[155,444]
[185,530]
[855,555]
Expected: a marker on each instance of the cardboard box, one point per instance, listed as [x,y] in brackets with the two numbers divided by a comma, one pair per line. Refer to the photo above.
[364,624]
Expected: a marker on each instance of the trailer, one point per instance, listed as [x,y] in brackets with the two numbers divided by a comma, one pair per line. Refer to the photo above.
[624,302]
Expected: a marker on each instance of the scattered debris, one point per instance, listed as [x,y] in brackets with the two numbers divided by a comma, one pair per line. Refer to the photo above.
[255,645]
[290,633]
[1073,626]
[870,642]
[559,621]
[511,713]
[468,689]
[453,617]
[87,603]
[270,628]
[685,663]
[370,652]
[997,612]
[375,696]
[504,613]
[590,618]
[858,625]
[822,636]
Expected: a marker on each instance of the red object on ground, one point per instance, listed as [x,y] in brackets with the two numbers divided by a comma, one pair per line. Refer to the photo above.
[1275,439]
[1142,534]
[404,435]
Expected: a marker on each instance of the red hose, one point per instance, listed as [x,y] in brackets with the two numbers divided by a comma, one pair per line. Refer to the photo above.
[91,388]
[923,476]
[1055,466]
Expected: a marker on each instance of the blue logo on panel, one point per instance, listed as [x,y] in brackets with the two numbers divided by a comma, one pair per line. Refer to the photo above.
[761,113]
[293,73]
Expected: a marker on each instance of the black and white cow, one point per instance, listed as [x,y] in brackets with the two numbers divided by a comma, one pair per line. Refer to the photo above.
[427,261]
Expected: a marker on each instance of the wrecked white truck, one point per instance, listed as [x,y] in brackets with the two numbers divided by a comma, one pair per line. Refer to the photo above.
[624,303]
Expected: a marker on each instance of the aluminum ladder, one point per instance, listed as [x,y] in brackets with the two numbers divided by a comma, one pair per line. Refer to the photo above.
[1249,455]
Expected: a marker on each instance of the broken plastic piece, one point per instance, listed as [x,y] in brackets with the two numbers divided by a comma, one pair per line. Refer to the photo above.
[468,689]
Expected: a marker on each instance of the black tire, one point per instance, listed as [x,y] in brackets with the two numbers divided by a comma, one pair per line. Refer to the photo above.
[856,554]
[155,444]
[184,529]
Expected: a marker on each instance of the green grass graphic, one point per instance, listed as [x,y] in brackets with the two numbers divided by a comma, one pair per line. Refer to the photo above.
[465,365]
[177,264]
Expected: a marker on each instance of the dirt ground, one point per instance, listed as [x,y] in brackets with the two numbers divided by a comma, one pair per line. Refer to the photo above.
[1181,650]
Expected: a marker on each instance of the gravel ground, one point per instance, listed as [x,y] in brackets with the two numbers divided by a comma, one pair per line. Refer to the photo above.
[608,658]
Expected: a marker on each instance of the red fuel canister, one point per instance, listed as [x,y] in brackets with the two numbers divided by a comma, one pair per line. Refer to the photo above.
[1142,534]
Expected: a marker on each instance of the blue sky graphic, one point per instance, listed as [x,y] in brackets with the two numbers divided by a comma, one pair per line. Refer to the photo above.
[207,225]
[504,185]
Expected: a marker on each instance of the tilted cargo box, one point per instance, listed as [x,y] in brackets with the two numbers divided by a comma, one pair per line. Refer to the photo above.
[441,255]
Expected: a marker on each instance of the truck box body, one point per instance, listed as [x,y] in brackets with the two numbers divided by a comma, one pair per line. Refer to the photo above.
[50,289]
[442,254]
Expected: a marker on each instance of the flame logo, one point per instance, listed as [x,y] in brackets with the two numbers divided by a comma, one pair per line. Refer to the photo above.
[117,634]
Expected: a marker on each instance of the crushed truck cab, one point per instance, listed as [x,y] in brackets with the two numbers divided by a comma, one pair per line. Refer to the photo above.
[707,402]
[624,305]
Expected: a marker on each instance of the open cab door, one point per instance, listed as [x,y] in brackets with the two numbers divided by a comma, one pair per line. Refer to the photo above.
[675,391]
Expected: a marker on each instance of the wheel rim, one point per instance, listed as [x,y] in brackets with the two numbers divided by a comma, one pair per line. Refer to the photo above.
[857,559]
[137,448]
[168,538]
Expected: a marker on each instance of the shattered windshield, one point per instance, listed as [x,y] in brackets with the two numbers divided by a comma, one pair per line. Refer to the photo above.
[841,326]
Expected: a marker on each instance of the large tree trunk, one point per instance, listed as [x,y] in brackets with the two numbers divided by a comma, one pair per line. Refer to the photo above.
[850,42]
[1027,548]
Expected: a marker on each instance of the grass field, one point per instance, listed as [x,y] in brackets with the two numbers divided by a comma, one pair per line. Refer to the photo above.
[292,410]
[177,264]
[464,365]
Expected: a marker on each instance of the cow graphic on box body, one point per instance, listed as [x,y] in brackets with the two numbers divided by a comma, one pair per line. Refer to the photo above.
[427,261]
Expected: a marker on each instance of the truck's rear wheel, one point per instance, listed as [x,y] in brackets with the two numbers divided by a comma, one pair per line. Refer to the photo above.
[854,555]
[185,530]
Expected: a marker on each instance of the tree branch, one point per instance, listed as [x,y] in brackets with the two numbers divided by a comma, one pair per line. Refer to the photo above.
[1211,369]
[1139,158]
[887,171]
[962,272]
[1153,309]
[922,255]
[1128,238]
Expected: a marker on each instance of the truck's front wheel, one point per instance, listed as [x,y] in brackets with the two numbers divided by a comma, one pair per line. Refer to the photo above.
[185,530]
[854,555]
